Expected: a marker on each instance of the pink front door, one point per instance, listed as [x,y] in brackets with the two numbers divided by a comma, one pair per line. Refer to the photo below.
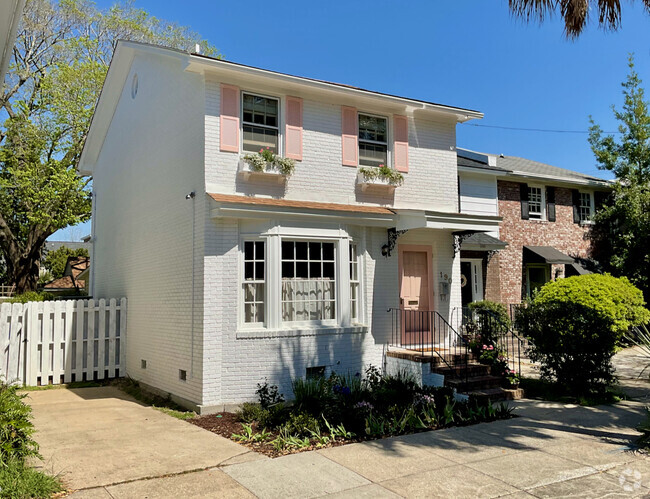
[415,293]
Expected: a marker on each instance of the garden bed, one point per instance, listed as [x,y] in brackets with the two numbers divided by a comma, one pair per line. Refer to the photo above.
[340,409]
[228,424]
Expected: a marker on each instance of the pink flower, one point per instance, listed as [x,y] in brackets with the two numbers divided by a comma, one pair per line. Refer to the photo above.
[261,150]
[491,347]
[484,347]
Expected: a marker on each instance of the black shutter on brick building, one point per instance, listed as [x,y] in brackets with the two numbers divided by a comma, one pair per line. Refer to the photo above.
[575,193]
[523,194]
[550,204]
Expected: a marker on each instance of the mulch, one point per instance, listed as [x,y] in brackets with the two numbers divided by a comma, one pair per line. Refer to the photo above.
[226,423]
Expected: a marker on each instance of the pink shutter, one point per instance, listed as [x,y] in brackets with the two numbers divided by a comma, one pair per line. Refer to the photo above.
[229,119]
[401,144]
[349,136]
[293,129]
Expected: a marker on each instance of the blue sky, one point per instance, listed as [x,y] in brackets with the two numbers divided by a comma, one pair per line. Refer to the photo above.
[466,53]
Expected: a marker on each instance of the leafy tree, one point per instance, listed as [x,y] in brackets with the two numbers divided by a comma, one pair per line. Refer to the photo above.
[55,261]
[628,157]
[57,70]
[575,13]
[621,234]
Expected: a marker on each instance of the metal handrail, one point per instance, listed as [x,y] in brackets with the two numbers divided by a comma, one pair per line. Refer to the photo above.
[423,330]
[501,339]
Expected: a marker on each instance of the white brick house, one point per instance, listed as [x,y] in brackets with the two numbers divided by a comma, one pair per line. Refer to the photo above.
[232,277]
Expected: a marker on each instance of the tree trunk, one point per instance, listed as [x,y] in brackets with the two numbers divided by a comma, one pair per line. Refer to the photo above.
[25,274]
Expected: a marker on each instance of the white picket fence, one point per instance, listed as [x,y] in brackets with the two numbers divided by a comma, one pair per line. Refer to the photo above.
[55,342]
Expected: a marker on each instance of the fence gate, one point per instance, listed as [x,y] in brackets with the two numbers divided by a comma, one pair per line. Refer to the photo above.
[55,342]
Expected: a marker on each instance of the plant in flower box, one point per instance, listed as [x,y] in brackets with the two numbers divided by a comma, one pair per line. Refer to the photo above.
[382,172]
[266,158]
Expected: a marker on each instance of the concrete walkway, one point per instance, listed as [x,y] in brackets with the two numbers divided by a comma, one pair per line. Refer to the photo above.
[97,437]
[106,445]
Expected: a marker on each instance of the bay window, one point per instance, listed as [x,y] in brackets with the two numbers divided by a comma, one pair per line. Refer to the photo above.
[254,281]
[308,272]
[354,283]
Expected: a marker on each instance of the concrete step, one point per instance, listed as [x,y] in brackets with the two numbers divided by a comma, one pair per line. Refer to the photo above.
[473,383]
[473,369]
[496,394]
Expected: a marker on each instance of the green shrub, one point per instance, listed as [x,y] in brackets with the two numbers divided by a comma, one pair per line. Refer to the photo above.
[614,299]
[269,395]
[18,481]
[28,296]
[301,424]
[16,429]
[496,310]
[573,343]
[249,412]
[312,395]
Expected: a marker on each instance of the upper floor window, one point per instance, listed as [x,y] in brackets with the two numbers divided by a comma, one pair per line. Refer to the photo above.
[308,281]
[260,123]
[373,140]
[536,202]
[585,206]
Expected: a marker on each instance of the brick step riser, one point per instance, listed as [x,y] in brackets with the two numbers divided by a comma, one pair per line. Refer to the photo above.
[502,397]
[459,372]
[468,386]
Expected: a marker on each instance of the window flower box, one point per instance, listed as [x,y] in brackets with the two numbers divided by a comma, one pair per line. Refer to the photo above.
[382,177]
[266,163]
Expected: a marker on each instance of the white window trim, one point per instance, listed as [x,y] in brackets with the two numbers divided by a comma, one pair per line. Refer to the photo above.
[389,138]
[478,292]
[280,100]
[592,208]
[543,202]
[240,278]
[337,273]
[360,282]
[273,270]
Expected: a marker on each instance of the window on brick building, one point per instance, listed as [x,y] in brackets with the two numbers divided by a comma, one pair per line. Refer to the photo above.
[373,140]
[536,202]
[260,123]
[586,206]
[308,281]
[254,281]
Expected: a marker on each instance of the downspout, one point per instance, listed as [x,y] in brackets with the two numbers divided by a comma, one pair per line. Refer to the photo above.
[192,196]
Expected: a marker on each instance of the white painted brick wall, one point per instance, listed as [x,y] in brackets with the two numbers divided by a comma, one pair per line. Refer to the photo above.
[151,158]
[431,182]
[421,371]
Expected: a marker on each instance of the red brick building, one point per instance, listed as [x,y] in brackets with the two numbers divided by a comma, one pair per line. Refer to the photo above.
[546,216]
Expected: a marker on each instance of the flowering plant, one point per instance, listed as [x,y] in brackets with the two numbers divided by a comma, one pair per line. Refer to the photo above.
[258,162]
[393,177]
[512,377]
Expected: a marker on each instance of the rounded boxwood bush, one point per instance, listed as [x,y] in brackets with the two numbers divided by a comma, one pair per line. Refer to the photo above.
[614,298]
[574,326]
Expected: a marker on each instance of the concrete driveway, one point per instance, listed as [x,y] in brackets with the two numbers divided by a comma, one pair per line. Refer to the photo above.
[106,445]
[98,437]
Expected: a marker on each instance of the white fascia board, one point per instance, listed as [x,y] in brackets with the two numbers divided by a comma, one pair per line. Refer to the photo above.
[105,108]
[200,64]
[488,159]
[561,180]
[416,219]
[11,13]
[482,171]
[232,210]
